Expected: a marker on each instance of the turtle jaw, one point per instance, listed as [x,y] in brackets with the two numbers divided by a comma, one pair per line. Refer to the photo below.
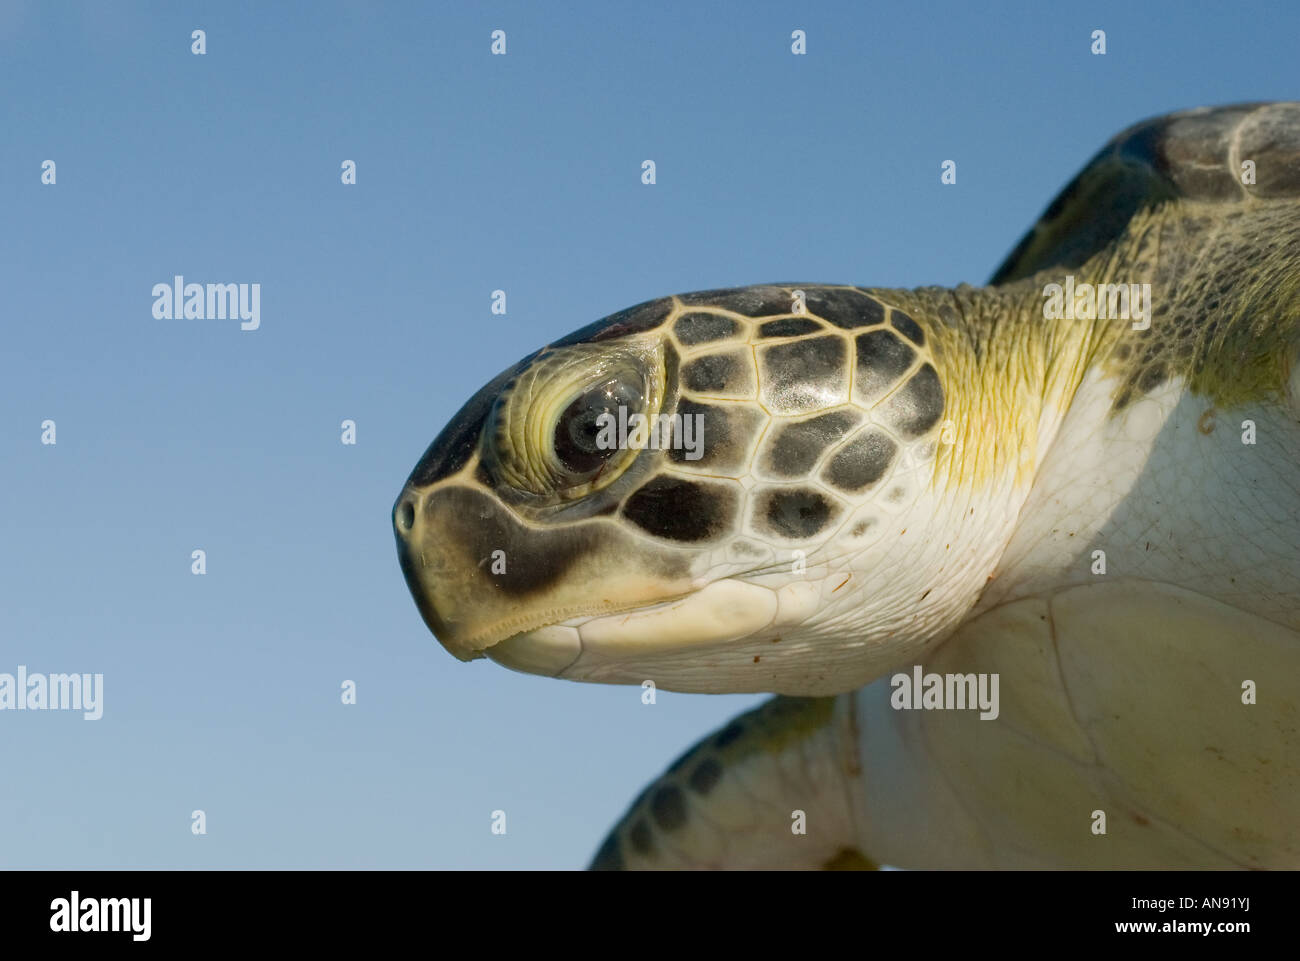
[481,576]
[732,635]
[587,603]
[444,582]
[586,648]
[548,651]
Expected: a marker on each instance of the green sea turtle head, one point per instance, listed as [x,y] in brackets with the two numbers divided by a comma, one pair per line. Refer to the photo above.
[714,491]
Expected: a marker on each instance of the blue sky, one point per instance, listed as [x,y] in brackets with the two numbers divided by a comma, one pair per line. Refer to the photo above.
[474,173]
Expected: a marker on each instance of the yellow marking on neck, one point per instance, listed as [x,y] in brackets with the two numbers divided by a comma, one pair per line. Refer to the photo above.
[1225,289]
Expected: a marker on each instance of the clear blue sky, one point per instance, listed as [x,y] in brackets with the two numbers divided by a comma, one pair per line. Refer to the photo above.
[475,172]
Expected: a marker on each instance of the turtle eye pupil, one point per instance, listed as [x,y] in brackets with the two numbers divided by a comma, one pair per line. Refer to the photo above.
[578,432]
[584,428]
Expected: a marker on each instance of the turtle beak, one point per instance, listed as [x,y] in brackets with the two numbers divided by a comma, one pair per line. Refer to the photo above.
[482,578]
[448,575]
[434,586]
[410,529]
[478,575]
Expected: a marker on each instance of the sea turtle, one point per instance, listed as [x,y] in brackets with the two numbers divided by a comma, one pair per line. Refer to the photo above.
[1017,484]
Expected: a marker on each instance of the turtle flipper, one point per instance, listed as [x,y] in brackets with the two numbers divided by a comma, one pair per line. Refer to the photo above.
[740,798]
[1194,155]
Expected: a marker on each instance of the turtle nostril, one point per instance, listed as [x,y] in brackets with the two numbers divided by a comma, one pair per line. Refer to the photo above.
[405,516]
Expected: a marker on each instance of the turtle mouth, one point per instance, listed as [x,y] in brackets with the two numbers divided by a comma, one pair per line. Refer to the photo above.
[719,613]
[481,576]
[546,650]
[422,580]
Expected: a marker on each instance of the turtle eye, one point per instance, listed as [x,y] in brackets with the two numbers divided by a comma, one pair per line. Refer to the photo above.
[588,431]
[566,426]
